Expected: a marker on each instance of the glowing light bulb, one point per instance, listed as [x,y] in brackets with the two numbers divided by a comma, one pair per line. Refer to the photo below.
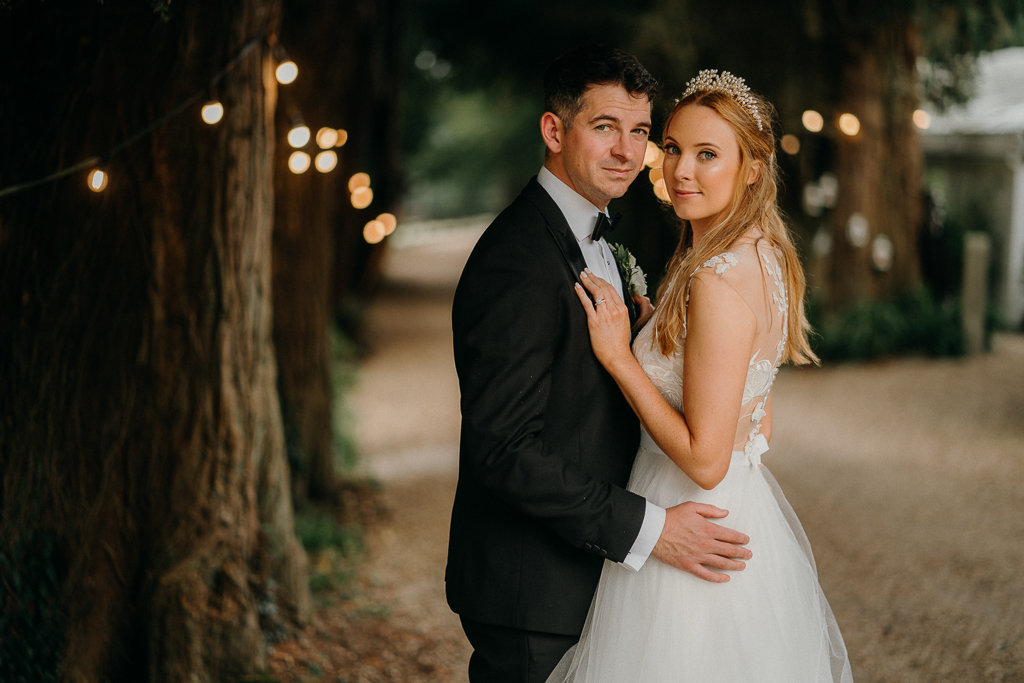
[298,136]
[287,71]
[882,252]
[849,124]
[922,119]
[858,230]
[362,197]
[373,232]
[97,180]
[661,191]
[212,112]
[358,180]
[389,221]
[655,174]
[326,137]
[790,144]
[653,156]
[326,161]
[342,137]
[298,162]
[813,121]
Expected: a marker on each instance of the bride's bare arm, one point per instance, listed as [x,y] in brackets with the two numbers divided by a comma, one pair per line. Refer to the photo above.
[720,334]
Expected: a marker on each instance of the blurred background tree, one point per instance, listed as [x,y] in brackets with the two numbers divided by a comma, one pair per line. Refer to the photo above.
[146,526]
[851,179]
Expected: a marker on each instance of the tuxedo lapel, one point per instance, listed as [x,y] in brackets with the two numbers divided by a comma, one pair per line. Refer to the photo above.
[567,243]
[557,227]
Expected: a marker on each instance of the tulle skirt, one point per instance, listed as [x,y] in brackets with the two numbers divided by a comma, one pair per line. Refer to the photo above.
[770,623]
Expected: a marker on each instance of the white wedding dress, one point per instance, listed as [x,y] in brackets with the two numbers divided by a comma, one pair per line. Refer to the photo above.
[770,623]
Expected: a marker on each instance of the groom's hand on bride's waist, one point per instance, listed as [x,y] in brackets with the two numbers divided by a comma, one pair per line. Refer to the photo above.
[689,541]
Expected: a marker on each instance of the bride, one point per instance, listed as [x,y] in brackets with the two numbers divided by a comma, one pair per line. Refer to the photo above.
[730,312]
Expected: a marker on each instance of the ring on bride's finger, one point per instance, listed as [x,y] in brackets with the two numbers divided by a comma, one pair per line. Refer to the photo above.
[598,302]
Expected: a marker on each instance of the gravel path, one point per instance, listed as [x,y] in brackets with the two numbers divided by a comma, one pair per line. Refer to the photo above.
[908,476]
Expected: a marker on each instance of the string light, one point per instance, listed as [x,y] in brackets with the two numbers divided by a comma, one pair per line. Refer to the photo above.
[326,161]
[298,162]
[813,121]
[882,252]
[358,180]
[373,232]
[790,144]
[661,190]
[858,230]
[362,197]
[653,156]
[298,136]
[922,119]
[187,104]
[849,124]
[97,180]
[212,112]
[286,72]
[326,137]
[389,221]
[655,174]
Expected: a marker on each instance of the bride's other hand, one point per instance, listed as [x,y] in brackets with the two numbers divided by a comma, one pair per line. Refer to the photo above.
[607,318]
[645,309]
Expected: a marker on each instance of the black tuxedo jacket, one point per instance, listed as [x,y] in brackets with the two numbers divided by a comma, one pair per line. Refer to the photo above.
[547,439]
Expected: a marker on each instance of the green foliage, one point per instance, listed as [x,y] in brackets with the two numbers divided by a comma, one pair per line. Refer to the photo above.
[345,354]
[32,617]
[911,323]
[332,550]
[472,159]
[318,530]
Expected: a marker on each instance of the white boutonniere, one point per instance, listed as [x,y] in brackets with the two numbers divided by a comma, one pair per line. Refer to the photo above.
[632,274]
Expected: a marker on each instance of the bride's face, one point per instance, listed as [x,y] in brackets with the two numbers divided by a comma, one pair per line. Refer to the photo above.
[702,165]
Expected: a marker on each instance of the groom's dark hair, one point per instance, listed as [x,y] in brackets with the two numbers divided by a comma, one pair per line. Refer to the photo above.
[569,76]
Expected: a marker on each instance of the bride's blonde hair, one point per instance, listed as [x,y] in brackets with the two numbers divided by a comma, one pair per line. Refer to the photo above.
[753,205]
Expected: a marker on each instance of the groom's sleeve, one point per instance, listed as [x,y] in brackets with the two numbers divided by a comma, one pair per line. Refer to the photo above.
[650,532]
[506,317]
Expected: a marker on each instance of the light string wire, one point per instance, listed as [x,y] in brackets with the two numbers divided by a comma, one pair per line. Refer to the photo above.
[132,139]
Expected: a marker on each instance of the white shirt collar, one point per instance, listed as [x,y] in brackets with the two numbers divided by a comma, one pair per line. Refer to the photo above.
[579,213]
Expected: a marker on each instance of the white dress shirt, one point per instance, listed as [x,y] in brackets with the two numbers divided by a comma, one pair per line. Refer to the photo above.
[582,216]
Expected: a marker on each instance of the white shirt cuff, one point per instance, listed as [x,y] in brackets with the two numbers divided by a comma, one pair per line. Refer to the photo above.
[650,532]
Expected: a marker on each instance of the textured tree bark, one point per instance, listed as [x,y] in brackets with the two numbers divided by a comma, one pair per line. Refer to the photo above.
[879,169]
[303,246]
[370,62]
[140,427]
[349,74]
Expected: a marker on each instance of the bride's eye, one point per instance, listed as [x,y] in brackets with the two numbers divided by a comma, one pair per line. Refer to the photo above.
[670,150]
[706,155]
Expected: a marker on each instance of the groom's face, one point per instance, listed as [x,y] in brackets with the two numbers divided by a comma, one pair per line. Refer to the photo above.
[603,150]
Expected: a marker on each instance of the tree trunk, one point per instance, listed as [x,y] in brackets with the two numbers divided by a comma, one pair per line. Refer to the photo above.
[348,78]
[146,511]
[370,65]
[878,169]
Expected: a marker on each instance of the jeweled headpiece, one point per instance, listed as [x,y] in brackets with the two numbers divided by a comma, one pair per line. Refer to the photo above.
[709,80]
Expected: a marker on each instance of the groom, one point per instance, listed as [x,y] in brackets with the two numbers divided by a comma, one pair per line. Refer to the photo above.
[547,438]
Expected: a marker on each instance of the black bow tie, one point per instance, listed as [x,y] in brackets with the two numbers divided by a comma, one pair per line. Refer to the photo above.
[604,224]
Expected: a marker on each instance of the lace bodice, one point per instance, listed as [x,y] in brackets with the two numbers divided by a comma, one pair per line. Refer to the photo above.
[752,269]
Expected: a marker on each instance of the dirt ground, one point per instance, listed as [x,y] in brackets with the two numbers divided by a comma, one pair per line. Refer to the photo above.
[908,476]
